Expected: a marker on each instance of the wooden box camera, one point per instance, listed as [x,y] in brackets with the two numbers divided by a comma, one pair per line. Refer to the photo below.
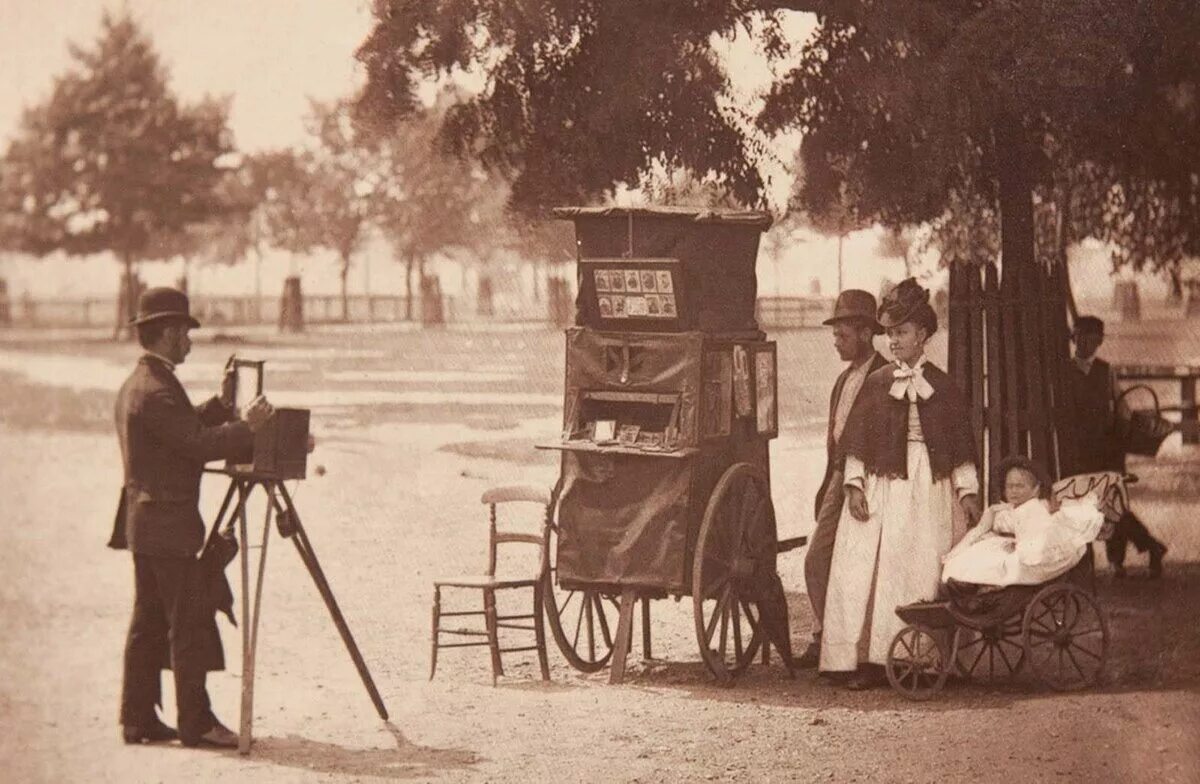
[281,444]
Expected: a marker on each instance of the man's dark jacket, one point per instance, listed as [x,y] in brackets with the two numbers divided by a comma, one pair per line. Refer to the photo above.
[832,460]
[165,442]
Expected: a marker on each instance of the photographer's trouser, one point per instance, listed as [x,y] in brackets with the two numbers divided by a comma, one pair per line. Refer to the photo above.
[170,624]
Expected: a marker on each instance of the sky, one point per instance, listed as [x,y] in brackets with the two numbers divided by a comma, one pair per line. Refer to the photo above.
[269,55]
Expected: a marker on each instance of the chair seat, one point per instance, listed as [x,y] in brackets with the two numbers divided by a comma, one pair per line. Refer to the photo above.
[484,581]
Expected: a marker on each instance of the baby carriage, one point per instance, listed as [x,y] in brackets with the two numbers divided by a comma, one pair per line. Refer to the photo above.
[1058,629]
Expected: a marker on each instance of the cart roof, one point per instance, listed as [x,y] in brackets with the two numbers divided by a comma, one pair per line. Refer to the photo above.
[750,218]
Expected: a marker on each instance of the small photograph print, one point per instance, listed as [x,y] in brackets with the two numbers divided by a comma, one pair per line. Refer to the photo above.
[653,305]
[632,281]
[618,306]
[668,305]
[601,280]
[604,431]
[606,307]
[665,284]
[648,281]
[636,306]
[616,280]
[627,435]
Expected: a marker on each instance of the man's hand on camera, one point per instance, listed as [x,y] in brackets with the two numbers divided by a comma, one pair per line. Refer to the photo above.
[312,442]
[256,413]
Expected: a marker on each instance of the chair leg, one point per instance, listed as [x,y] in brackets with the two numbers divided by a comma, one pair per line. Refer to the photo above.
[539,630]
[489,609]
[437,616]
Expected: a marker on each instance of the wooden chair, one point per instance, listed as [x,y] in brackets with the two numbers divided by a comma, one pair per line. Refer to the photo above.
[488,584]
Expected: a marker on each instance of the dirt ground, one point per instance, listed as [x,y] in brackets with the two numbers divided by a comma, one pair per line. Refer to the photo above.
[411,435]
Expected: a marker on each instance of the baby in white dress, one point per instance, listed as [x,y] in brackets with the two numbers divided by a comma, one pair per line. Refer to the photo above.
[1021,541]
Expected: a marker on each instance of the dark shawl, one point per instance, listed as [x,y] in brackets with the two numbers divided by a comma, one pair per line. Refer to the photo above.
[877,431]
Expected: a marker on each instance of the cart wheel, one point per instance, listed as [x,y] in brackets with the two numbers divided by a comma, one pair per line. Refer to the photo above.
[583,622]
[1066,637]
[735,551]
[918,662]
[992,653]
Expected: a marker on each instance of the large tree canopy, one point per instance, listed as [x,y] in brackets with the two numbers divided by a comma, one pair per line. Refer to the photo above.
[112,161]
[913,109]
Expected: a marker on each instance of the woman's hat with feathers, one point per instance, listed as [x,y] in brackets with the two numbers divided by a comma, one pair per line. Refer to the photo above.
[908,301]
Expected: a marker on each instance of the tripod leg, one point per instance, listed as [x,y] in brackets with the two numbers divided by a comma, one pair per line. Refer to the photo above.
[245,727]
[250,624]
[309,557]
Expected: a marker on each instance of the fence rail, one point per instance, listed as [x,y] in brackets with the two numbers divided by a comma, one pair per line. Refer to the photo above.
[220,311]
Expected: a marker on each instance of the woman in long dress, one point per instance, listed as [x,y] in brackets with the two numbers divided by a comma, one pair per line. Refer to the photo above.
[909,459]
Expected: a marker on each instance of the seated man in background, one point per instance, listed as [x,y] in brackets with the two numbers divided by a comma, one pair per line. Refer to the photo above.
[1092,389]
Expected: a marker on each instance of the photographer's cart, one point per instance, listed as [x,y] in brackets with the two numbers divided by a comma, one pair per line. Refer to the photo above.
[669,404]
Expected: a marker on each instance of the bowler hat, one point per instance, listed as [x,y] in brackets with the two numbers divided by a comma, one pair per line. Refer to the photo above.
[855,305]
[163,303]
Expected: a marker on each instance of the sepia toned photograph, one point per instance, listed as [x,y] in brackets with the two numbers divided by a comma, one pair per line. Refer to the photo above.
[325,460]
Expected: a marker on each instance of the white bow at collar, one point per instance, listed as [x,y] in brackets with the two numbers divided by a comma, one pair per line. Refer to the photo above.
[910,382]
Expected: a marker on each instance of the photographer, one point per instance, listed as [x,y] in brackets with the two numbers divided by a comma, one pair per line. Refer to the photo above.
[165,442]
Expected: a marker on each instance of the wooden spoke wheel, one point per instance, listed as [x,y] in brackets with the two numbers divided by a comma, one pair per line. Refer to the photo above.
[583,621]
[1066,637]
[990,654]
[734,559]
[918,662]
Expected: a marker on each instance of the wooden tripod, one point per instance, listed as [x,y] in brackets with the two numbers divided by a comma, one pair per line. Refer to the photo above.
[281,508]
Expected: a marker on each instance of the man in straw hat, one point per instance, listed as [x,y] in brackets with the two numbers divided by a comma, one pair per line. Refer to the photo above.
[854,329]
[165,442]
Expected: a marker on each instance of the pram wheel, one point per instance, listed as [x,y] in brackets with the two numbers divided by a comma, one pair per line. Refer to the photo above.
[918,662]
[992,653]
[1066,637]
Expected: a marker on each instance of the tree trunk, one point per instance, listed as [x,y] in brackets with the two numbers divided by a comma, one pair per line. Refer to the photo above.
[126,300]
[409,265]
[1023,285]
[841,239]
[344,274]
[1175,274]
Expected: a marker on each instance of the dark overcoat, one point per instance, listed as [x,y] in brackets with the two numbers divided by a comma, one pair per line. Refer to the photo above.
[165,442]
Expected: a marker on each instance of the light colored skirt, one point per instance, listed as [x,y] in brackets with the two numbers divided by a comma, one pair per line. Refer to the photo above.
[892,559]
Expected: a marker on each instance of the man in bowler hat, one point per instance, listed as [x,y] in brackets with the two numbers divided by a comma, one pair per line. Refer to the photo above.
[854,327]
[165,442]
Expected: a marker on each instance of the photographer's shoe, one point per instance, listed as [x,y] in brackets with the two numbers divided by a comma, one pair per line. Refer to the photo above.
[219,736]
[152,733]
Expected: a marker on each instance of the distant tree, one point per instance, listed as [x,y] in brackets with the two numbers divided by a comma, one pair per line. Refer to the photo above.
[112,160]
[324,197]
[429,201]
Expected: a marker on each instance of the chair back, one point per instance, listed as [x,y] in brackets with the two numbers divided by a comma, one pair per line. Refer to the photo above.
[499,534]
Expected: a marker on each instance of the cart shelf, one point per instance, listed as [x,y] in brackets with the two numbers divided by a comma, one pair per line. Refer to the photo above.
[617,449]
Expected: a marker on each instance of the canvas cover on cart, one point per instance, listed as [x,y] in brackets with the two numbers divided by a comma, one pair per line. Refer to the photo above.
[716,249]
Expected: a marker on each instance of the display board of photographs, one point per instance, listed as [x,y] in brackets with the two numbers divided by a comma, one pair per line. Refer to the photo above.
[635,293]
